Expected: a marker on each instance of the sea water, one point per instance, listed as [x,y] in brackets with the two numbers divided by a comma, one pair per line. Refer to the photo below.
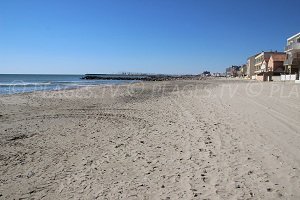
[21,83]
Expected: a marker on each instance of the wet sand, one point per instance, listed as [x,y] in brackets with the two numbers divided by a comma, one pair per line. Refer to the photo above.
[209,139]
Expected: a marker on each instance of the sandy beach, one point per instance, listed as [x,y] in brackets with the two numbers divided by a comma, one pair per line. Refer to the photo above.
[209,139]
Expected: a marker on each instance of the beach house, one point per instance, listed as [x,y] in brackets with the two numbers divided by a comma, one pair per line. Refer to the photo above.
[261,71]
[292,62]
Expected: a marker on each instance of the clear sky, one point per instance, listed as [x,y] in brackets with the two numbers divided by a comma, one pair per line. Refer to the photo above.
[152,36]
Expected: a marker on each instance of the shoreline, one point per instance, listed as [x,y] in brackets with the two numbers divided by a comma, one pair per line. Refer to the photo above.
[65,89]
[137,81]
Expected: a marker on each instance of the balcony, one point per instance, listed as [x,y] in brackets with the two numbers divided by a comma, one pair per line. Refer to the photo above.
[257,72]
[294,46]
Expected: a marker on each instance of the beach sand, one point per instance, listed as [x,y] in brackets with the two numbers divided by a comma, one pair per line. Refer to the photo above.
[210,139]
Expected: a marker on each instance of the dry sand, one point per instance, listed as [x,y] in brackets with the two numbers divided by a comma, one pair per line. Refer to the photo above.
[167,140]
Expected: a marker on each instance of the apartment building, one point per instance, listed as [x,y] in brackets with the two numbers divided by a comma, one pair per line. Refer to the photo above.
[251,67]
[292,62]
[261,63]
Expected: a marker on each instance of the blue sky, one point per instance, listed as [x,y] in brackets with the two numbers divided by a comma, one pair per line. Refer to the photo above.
[152,36]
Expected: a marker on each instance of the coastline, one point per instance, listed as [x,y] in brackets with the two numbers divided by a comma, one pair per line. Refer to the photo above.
[19,83]
[67,89]
[217,139]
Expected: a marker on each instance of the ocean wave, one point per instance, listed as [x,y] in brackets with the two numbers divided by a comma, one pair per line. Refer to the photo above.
[23,84]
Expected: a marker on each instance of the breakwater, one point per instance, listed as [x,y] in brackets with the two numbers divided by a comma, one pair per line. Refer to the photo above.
[137,77]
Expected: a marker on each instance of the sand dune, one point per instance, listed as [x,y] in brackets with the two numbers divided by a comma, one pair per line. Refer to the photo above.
[213,139]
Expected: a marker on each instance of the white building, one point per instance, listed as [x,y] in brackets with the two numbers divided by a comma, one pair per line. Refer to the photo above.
[292,49]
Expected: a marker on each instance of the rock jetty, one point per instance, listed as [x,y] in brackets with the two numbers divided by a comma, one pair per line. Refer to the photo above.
[139,77]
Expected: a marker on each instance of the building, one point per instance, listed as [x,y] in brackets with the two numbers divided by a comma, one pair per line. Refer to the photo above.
[251,67]
[292,62]
[233,71]
[217,74]
[206,73]
[262,72]
[276,67]
[243,71]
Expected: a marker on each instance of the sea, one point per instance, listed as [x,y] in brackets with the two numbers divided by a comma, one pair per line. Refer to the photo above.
[24,83]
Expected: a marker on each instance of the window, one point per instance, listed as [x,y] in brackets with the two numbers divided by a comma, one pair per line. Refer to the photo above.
[298,40]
